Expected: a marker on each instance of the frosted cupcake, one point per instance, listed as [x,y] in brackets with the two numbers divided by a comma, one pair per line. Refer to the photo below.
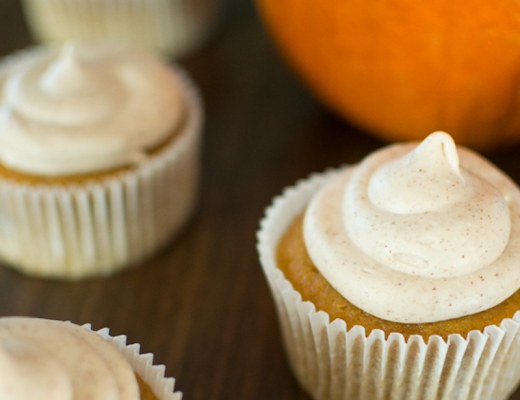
[99,158]
[172,27]
[413,256]
[45,359]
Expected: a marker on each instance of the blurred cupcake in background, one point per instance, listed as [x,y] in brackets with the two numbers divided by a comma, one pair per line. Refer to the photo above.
[99,158]
[174,28]
[46,359]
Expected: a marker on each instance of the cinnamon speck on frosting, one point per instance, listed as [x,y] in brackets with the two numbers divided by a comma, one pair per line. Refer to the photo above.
[418,215]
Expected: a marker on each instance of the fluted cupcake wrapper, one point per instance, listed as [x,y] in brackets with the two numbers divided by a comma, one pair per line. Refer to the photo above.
[172,27]
[334,361]
[73,231]
[142,364]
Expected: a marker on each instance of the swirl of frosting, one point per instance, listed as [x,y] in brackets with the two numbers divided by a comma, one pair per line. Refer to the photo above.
[409,235]
[84,108]
[45,359]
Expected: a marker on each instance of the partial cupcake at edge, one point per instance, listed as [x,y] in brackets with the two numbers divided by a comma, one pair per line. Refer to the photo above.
[174,28]
[99,157]
[399,277]
[47,359]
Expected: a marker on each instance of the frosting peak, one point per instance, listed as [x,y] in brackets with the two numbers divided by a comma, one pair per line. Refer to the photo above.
[424,216]
[69,75]
[427,178]
[413,216]
[64,91]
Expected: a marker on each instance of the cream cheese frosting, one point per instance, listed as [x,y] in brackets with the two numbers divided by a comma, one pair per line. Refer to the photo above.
[84,108]
[418,232]
[45,359]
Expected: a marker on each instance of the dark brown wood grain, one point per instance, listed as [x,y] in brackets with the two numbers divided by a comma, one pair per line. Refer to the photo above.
[202,305]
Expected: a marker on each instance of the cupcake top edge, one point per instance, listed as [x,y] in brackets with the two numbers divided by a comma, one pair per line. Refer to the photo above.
[43,359]
[418,232]
[85,107]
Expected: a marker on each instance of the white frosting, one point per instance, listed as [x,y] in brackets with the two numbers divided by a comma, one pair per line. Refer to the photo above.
[411,236]
[84,108]
[44,359]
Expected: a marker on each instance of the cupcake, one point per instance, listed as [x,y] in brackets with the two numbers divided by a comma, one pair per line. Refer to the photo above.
[99,158]
[398,277]
[174,28]
[46,359]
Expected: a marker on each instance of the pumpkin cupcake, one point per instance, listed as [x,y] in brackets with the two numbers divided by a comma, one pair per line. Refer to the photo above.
[413,255]
[49,359]
[99,158]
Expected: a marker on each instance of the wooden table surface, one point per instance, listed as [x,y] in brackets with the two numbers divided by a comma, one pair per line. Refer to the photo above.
[202,306]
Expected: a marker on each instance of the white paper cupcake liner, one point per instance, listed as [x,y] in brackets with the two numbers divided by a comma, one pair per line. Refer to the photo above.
[172,27]
[334,361]
[74,231]
[142,364]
